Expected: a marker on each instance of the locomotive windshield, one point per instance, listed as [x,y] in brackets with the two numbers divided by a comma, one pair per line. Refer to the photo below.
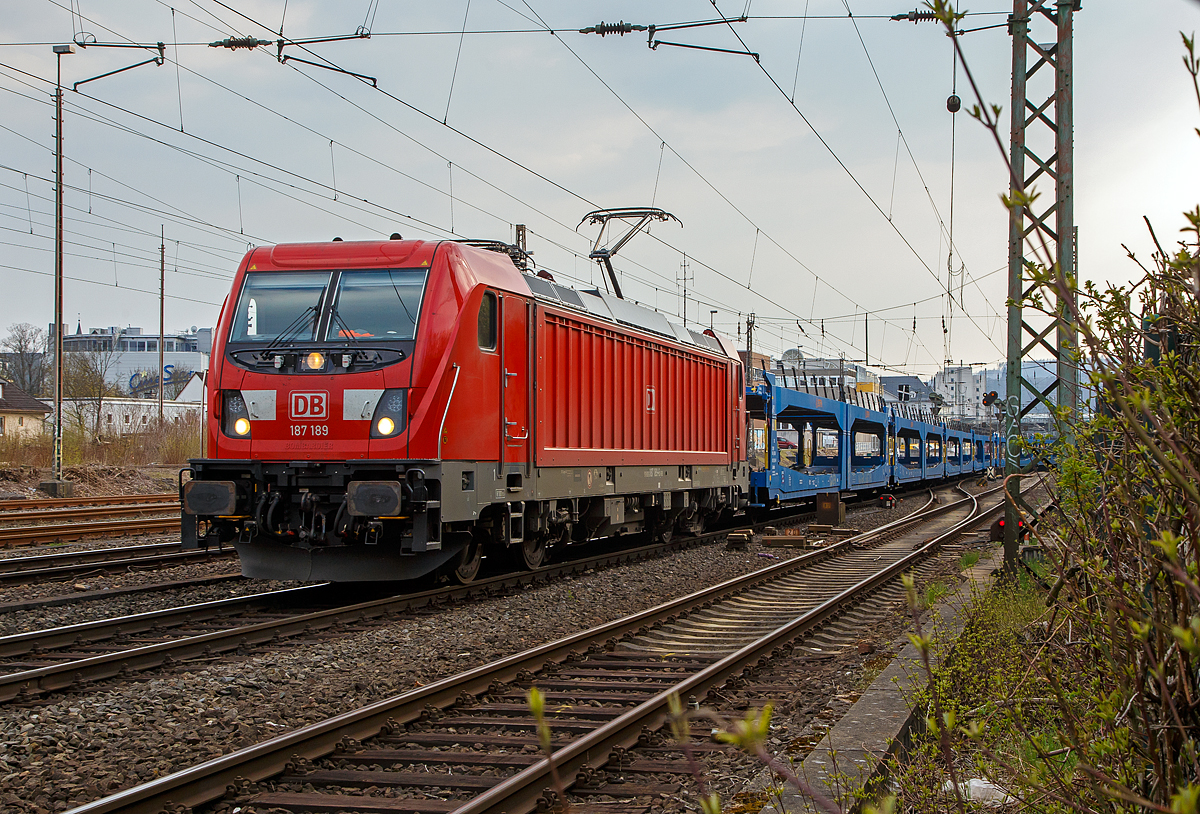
[376,304]
[279,306]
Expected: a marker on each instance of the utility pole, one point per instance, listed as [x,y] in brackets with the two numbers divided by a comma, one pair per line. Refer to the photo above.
[750,445]
[162,276]
[57,487]
[1054,113]
[749,347]
[684,272]
[866,338]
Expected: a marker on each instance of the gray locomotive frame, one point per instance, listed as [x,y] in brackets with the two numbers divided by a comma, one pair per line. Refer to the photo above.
[419,514]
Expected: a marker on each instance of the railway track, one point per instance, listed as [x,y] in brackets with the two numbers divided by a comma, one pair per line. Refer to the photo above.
[10,506]
[57,520]
[43,661]
[468,744]
[86,512]
[64,532]
[37,662]
[68,564]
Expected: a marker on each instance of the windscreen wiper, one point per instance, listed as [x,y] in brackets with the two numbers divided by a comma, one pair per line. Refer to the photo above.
[346,331]
[293,327]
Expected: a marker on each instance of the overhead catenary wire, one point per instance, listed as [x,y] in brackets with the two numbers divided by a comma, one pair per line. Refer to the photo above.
[756,292]
[559,186]
[705,180]
[543,177]
[522,166]
[457,57]
[985,334]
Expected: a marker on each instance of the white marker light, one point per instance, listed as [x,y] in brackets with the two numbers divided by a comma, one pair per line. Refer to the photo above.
[242,426]
[385,426]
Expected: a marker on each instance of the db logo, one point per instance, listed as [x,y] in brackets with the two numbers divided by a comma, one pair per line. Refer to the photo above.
[309,405]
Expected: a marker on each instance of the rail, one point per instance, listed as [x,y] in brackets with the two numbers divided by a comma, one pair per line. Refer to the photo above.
[63,532]
[62,502]
[49,567]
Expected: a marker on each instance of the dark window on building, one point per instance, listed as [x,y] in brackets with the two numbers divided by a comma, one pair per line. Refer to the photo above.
[487,322]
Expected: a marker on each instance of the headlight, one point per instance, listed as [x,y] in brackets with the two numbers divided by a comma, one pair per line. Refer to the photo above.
[391,414]
[235,416]
[314,361]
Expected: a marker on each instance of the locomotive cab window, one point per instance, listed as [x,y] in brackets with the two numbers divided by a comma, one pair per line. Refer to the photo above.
[279,306]
[376,304]
[487,322]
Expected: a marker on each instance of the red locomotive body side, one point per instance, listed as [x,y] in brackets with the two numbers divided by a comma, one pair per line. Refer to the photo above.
[610,397]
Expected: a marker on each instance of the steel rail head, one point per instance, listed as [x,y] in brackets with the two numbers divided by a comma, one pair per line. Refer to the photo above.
[124,552]
[52,572]
[56,502]
[134,623]
[70,513]
[33,534]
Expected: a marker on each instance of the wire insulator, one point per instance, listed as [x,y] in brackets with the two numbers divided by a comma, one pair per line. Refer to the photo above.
[234,43]
[604,29]
[916,16]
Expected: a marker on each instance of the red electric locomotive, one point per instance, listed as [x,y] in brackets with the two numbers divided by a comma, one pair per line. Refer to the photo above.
[380,410]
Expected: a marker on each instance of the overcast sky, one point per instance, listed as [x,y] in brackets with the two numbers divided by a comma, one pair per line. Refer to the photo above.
[834,211]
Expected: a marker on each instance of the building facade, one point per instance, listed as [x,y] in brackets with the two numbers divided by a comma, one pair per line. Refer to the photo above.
[132,363]
[125,416]
[21,415]
[961,390]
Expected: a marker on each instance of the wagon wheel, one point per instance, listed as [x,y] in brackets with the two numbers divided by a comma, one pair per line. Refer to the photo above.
[468,562]
[530,553]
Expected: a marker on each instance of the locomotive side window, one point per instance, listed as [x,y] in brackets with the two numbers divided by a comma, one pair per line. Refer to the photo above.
[487,322]
[376,304]
[279,305]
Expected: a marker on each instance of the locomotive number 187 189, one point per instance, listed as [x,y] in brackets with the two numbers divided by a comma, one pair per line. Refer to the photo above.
[309,430]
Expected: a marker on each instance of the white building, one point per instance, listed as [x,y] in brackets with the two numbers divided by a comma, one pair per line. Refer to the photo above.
[125,416]
[962,391]
[133,366]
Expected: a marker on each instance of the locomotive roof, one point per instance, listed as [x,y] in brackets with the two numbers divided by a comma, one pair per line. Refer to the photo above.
[607,307]
[490,267]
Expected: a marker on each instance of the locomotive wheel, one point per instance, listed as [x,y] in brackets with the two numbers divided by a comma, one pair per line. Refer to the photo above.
[468,563]
[530,554]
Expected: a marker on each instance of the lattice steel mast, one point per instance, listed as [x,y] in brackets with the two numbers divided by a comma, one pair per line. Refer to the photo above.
[1032,120]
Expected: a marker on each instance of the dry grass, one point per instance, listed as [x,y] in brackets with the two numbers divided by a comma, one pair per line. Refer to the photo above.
[173,443]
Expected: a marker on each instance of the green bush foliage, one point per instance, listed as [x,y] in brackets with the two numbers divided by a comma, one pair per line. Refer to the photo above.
[1094,703]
